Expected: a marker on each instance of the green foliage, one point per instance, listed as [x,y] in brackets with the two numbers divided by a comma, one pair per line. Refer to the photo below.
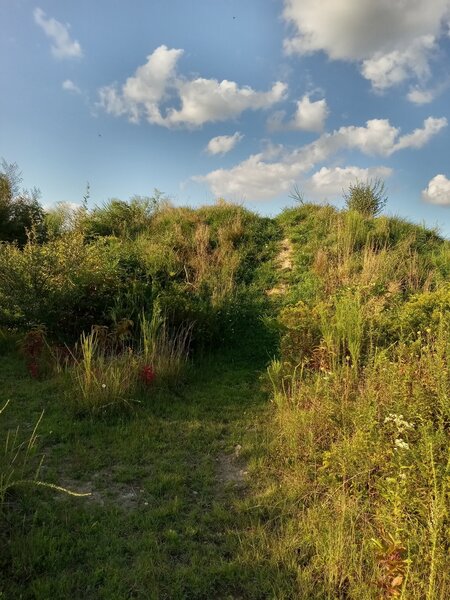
[423,312]
[366,197]
[65,285]
[18,462]
[122,219]
[20,210]
[62,218]
[362,468]
[348,482]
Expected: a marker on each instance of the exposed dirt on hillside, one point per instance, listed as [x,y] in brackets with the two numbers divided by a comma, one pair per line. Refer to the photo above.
[284,264]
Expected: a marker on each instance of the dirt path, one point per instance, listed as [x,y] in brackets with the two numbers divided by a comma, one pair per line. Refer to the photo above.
[284,264]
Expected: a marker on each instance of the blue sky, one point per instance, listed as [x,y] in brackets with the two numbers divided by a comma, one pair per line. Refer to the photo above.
[242,100]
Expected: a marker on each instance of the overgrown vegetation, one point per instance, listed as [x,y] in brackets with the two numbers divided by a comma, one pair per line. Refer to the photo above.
[174,313]
[361,396]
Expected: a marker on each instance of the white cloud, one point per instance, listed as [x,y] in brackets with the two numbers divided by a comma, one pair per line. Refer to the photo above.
[418,96]
[141,94]
[333,181]
[202,100]
[420,137]
[223,143]
[310,116]
[69,86]
[258,177]
[392,39]
[62,44]
[254,178]
[437,191]
[379,137]
[208,100]
[386,70]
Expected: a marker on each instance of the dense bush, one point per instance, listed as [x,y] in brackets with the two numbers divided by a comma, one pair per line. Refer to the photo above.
[65,285]
[424,312]
[366,197]
[110,264]
[20,210]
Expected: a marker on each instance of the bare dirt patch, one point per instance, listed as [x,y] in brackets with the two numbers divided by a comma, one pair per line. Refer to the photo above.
[284,258]
[102,489]
[231,469]
[284,264]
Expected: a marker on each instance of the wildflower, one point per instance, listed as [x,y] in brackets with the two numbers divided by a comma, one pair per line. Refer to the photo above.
[103,385]
[148,374]
[401,444]
[399,421]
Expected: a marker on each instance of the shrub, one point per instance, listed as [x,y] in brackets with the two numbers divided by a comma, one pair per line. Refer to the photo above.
[64,285]
[20,210]
[120,218]
[366,197]
[423,312]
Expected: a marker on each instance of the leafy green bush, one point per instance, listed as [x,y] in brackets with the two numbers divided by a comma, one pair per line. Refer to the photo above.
[120,218]
[424,312]
[20,210]
[366,197]
[65,285]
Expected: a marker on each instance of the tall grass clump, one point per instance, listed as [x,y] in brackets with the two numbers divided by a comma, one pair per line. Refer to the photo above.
[110,378]
[101,380]
[163,347]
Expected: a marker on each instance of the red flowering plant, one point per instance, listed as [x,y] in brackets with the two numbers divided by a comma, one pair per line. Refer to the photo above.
[147,375]
[33,347]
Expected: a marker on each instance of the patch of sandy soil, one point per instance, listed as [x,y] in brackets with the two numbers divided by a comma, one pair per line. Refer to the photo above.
[103,489]
[231,470]
[284,263]
[284,258]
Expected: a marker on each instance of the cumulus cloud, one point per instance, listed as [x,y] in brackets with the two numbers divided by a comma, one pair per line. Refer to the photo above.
[254,178]
[309,116]
[62,44]
[421,136]
[392,40]
[201,100]
[69,86]
[386,70]
[142,93]
[259,177]
[332,181]
[418,96]
[223,143]
[208,100]
[437,191]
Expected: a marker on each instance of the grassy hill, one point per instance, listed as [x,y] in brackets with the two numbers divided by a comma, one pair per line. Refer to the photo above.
[257,408]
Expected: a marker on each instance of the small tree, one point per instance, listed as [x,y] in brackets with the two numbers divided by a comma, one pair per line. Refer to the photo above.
[20,210]
[366,197]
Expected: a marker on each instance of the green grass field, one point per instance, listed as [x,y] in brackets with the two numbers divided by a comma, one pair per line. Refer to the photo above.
[174,502]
